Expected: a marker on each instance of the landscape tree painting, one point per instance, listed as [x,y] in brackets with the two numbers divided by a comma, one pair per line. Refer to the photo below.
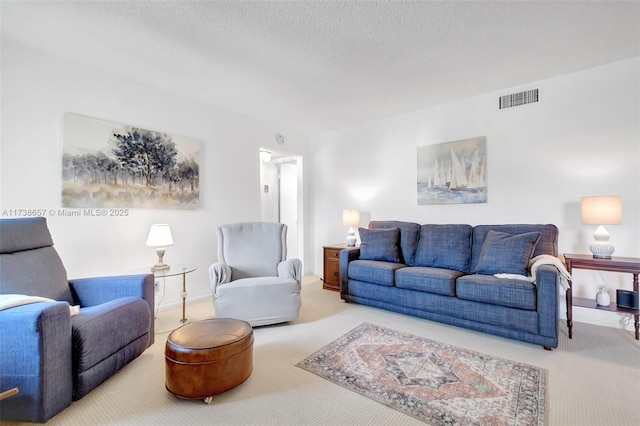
[453,172]
[107,164]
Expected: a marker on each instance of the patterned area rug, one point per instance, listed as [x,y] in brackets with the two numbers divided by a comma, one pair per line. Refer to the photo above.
[431,381]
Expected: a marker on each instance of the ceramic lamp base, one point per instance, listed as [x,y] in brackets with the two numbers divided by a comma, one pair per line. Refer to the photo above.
[351,237]
[602,249]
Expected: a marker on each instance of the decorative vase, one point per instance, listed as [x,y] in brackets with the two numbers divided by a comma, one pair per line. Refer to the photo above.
[602,297]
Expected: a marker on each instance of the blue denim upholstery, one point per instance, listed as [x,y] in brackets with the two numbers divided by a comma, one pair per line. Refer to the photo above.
[445,246]
[504,253]
[91,343]
[380,244]
[35,356]
[430,280]
[514,309]
[497,291]
[547,244]
[447,306]
[52,357]
[409,233]
[374,271]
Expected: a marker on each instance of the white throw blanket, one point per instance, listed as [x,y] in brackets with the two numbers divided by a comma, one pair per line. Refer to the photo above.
[12,300]
[535,263]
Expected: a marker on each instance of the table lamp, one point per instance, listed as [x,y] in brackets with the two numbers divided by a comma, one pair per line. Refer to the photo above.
[160,237]
[601,211]
[351,218]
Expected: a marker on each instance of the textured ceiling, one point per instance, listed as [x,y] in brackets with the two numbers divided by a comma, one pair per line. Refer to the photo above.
[319,66]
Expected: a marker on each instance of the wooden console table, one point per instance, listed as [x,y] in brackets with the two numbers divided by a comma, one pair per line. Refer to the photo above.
[615,264]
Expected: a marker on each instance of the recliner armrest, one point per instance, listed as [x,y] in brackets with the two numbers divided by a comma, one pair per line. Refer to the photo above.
[35,356]
[290,268]
[219,274]
[96,291]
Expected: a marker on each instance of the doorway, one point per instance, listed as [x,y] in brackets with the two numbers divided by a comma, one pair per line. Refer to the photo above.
[281,196]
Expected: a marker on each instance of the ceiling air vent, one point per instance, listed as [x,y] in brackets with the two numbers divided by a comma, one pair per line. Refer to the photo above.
[520,98]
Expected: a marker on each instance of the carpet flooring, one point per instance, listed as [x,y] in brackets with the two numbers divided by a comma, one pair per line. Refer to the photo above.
[432,381]
[592,379]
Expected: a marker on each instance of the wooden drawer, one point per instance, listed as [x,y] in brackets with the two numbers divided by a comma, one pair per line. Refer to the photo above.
[331,272]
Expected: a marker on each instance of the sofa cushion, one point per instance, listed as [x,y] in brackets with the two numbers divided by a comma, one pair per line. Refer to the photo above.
[372,271]
[380,244]
[444,246]
[548,243]
[409,233]
[512,293]
[504,253]
[429,280]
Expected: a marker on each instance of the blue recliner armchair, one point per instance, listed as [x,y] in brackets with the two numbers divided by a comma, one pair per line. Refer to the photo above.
[52,356]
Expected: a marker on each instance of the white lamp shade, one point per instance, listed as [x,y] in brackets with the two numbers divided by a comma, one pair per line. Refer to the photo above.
[351,218]
[601,210]
[159,235]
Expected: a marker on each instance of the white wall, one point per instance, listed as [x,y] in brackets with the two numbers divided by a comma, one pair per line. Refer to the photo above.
[581,139]
[38,88]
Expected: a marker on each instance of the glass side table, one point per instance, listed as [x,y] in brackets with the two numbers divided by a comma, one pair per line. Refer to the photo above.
[174,271]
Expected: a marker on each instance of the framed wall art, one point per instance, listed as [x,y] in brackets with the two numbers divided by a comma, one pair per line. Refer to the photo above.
[453,172]
[107,164]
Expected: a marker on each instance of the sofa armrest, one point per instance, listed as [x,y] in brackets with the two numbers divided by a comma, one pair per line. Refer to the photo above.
[547,280]
[35,356]
[347,255]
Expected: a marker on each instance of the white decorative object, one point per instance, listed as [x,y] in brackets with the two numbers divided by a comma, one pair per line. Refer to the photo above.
[351,218]
[601,211]
[602,297]
[160,237]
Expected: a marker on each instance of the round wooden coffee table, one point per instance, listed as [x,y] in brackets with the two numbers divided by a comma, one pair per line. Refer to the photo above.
[208,357]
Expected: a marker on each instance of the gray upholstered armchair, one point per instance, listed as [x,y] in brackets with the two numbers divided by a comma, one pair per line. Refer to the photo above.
[50,355]
[252,280]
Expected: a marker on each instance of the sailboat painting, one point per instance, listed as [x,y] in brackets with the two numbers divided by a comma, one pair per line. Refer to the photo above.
[453,172]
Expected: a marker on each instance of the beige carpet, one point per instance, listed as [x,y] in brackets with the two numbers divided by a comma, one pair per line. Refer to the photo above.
[593,379]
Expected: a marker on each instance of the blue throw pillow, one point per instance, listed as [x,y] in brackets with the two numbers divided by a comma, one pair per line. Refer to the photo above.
[504,253]
[445,246]
[380,244]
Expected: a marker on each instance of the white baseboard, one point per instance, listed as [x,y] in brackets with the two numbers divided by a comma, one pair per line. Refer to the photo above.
[190,300]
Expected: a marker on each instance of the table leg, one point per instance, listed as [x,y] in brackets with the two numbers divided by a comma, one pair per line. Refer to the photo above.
[569,296]
[635,317]
[184,297]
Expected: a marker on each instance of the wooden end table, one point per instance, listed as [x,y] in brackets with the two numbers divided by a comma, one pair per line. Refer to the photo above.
[615,264]
[331,274]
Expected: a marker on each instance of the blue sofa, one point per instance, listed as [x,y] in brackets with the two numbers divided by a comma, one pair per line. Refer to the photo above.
[50,355]
[446,273]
